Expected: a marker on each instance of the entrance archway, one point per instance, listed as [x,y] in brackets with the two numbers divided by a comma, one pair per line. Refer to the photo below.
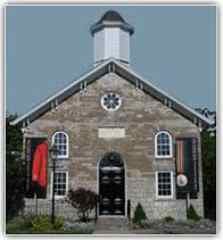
[111,185]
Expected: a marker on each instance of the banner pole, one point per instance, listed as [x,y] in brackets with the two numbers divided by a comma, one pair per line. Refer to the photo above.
[36,204]
[53,193]
[188,200]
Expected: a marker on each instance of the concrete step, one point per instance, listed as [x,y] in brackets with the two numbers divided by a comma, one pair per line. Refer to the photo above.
[109,225]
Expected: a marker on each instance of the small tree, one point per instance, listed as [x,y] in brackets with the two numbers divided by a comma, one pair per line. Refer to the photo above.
[15,171]
[192,214]
[139,214]
[84,201]
[209,173]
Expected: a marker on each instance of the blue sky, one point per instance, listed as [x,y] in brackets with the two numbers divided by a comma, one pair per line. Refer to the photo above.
[47,47]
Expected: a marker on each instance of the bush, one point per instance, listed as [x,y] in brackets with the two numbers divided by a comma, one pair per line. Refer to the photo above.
[59,223]
[18,225]
[169,219]
[15,170]
[84,201]
[42,223]
[192,214]
[139,215]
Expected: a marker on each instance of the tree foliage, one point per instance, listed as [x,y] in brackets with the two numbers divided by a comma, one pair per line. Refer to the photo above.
[209,173]
[139,214]
[84,201]
[15,171]
[192,214]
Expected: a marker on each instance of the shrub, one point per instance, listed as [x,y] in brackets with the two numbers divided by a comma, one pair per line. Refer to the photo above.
[59,223]
[139,215]
[18,225]
[15,170]
[169,219]
[84,201]
[42,223]
[192,214]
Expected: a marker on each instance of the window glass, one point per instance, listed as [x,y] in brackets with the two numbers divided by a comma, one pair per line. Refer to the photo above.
[111,101]
[164,184]
[163,145]
[60,141]
[60,183]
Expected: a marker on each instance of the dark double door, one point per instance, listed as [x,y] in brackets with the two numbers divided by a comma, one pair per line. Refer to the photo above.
[111,185]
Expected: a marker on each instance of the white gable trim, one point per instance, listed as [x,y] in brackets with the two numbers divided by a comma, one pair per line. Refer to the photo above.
[53,97]
[166,95]
[127,73]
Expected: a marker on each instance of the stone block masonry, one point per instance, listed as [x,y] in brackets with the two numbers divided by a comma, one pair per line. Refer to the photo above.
[141,116]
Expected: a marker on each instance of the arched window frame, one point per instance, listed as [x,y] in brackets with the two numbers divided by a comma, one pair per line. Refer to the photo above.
[67,146]
[170,155]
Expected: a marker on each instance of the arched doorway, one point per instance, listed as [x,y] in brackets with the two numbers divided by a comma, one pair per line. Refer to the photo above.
[111,185]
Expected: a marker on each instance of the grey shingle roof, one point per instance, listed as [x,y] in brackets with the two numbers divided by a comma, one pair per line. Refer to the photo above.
[112,16]
[111,19]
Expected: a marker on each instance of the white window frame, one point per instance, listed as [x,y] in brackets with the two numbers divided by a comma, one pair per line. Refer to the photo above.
[111,109]
[67,137]
[171,187]
[170,144]
[59,196]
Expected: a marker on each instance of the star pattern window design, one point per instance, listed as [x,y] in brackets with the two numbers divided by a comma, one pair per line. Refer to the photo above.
[111,101]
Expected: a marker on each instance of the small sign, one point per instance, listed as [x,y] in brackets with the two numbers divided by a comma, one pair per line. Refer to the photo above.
[111,133]
[182,180]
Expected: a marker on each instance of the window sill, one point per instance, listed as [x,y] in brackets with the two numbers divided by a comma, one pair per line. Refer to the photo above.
[164,199]
[61,158]
[163,158]
[59,198]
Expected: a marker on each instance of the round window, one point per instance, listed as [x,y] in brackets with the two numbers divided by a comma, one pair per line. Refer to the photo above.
[111,101]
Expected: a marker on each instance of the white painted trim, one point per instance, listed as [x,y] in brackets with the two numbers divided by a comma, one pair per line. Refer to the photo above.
[67,146]
[172,186]
[51,185]
[171,145]
[111,109]
[126,187]
[148,83]
[130,71]
[48,100]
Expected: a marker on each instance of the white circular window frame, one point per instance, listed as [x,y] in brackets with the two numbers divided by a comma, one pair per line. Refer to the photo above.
[111,109]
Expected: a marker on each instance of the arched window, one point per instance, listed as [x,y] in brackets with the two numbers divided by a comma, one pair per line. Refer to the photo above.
[61,142]
[163,145]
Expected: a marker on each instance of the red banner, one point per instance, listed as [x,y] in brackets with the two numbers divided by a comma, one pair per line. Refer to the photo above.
[39,168]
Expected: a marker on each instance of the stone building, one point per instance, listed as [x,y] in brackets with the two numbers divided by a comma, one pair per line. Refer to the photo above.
[118,135]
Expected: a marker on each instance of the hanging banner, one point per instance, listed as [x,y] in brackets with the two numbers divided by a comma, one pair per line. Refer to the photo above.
[187,167]
[39,167]
[32,186]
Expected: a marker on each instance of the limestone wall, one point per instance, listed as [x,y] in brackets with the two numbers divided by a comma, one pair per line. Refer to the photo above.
[81,115]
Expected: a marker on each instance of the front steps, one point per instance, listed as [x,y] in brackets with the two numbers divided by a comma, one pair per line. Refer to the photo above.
[112,225]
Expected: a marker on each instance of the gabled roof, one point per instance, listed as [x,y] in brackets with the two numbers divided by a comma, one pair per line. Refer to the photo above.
[125,72]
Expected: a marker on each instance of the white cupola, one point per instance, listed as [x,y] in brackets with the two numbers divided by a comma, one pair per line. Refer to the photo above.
[111,38]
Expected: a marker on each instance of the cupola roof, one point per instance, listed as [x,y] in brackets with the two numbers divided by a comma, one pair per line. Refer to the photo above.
[111,19]
[111,16]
